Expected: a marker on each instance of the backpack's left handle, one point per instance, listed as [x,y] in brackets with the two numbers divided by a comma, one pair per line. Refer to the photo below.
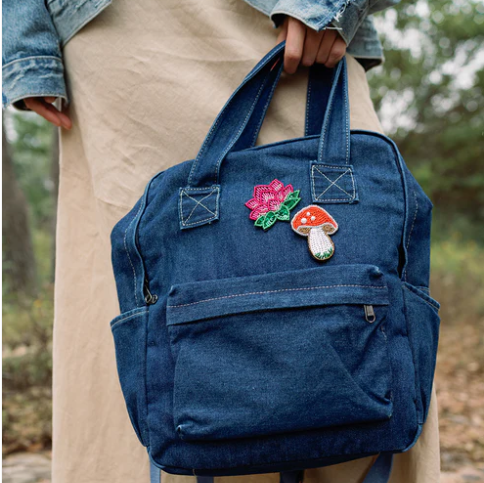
[233,119]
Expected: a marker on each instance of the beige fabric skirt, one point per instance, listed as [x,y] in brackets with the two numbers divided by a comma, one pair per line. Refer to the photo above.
[146,80]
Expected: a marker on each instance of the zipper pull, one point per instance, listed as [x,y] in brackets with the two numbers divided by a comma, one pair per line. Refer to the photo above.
[150,298]
[369,313]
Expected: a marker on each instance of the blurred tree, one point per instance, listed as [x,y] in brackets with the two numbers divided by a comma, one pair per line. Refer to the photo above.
[430,95]
[34,148]
[30,138]
[19,261]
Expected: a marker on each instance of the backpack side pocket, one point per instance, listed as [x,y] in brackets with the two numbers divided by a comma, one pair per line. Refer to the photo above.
[129,332]
[423,322]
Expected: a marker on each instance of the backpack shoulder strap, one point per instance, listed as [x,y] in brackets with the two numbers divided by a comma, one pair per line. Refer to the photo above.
[379,472]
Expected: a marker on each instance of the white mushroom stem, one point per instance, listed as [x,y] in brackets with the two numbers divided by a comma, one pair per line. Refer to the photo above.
[320,245]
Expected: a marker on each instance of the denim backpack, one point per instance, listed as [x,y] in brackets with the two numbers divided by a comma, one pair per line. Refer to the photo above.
[275,310]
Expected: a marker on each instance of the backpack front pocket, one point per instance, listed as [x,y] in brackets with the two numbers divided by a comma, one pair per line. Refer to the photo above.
[281,352]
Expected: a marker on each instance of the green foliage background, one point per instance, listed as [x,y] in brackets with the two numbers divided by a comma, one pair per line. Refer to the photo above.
[434,62]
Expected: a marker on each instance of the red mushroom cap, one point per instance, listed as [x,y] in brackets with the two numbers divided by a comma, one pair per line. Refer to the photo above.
[313,216]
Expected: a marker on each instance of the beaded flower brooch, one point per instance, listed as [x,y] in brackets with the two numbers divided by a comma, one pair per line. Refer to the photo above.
[272,202]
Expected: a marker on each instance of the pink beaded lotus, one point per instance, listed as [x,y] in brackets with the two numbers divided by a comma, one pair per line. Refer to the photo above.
[272,202]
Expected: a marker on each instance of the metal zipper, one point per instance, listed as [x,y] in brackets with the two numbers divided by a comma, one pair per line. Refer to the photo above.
[369,313]
[150,298]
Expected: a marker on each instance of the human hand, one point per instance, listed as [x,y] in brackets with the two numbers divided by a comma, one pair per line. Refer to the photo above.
[306,46]
[43,107]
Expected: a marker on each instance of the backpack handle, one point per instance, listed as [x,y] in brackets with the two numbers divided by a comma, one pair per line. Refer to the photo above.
[239,121]
[320,80]
[234,117]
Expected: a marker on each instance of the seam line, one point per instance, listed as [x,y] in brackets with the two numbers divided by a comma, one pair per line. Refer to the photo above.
[129,317]
[32,57]
[275,291]
[127,252]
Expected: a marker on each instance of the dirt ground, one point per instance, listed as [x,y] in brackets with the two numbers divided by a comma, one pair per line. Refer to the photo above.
[460,393]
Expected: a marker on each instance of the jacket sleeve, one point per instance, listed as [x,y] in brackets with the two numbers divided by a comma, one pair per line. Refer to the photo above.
[31,57]
[345,15]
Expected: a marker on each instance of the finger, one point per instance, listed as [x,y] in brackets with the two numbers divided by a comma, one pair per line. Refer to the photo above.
[311,47]
[325,46]
[48,112]
[296,33]
[37,106]
[338,50]
[283,33]
[64,118]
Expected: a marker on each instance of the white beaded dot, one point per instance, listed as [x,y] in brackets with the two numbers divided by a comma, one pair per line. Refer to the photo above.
[313,218]
[308,213]
[304,221]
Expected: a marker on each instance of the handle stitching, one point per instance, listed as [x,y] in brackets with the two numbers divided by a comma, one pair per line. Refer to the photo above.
[333,183]
[264,112]
[197,203]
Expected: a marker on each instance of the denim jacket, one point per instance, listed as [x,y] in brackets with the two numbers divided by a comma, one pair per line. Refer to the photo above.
[35,31]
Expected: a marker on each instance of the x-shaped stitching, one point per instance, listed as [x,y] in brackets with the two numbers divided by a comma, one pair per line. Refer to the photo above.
[333,183]
[198,202]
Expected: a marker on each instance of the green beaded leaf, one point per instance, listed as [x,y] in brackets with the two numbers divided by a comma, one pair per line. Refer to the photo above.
[269,220]
[293,195]
[260,220]
[283,213]
[290,204]
[292,199]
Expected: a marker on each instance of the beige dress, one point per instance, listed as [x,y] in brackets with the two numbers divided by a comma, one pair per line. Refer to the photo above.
[146,80]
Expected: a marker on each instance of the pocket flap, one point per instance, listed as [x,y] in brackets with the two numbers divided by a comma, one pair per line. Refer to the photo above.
[329,285]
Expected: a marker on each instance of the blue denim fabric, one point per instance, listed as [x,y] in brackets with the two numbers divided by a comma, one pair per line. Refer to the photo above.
[35,31]
[238,352]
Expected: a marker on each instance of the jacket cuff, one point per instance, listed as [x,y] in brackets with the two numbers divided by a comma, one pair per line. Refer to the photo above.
[38,76]
[317,15]
[348,20]
[345,16]
[365,46]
